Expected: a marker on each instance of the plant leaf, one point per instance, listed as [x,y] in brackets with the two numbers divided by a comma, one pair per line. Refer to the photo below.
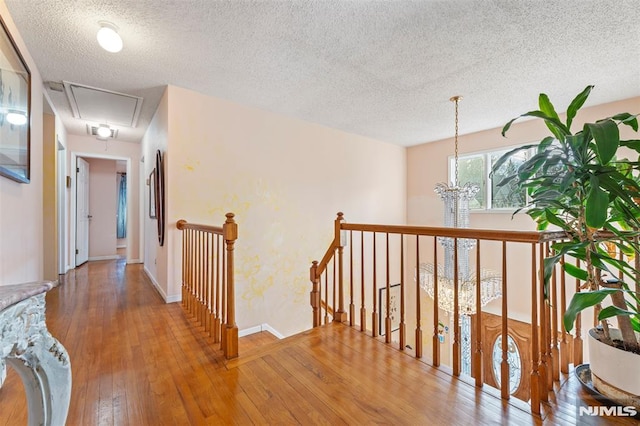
[581,301]
[596,207]
[632,144]
[628,119]
[613,311]
[563,130]
[576,272]
[547,107]
[607,137]
[576,104]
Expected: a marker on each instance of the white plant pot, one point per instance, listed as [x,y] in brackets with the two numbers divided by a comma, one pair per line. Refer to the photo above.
[615,373]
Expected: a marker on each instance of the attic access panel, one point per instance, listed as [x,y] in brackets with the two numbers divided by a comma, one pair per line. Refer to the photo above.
[103,106]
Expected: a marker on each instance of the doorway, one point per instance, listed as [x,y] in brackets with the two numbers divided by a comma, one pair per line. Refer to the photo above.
[100,207]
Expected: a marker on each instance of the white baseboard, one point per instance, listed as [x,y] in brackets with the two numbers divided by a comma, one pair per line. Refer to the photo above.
[155,284]
[110,257]
[124,246]
[173,298]
[258,329]
[134,261]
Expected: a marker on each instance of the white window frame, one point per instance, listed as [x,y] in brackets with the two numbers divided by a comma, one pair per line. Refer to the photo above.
[486,155]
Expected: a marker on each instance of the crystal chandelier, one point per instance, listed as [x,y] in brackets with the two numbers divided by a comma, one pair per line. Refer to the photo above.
[456,215]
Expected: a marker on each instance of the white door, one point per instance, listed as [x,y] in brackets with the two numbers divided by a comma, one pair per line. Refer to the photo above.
[82,212]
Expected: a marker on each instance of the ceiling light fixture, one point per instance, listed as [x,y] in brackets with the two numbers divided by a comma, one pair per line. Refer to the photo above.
[108,37]
[17,118]
[103,131]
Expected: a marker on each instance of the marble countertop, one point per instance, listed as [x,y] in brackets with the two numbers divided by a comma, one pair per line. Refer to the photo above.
[12,294]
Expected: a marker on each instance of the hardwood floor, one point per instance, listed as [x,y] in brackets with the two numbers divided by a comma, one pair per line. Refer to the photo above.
[139,361]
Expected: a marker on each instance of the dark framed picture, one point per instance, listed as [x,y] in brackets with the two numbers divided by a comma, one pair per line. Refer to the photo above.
[394,308]
[159,193]
[152,194]
[15,110]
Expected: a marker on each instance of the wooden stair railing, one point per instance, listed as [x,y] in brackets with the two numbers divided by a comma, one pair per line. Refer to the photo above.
[208,286]
[382,257]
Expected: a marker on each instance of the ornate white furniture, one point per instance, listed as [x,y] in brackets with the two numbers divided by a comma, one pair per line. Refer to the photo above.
[39,359]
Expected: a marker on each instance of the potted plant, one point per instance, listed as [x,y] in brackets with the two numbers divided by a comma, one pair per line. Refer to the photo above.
[576,182]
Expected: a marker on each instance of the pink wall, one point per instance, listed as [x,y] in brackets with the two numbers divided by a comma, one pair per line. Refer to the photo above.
[285,179]
[155,257]
[102,206]
[21,205]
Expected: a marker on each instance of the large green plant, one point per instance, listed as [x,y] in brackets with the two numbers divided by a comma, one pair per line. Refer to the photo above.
[576,182]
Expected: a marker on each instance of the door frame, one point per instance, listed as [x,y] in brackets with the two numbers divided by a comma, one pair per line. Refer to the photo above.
[74,201]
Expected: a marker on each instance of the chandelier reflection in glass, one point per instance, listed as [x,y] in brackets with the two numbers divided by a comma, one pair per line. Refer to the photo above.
[456,215]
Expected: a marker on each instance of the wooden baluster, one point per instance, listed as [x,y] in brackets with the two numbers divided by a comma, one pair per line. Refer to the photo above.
[363,310]
[339,315]
[207,286]
[418,302]
[555,351]
[180,225]
[200,257]
[577,340]
[335,296]
[190,261]
[374,313]
[535,376]
[387,302]
[436,309]
[564,344]
[217,323]
[223,297]
[402,329]
[505,384]
[230,230]
[456,311]
[205,281]
[326,295]
[544,392]
[477,354]
[314,296]
[352,306]
[195,275]
[187,271]
[194,270]
[547,331]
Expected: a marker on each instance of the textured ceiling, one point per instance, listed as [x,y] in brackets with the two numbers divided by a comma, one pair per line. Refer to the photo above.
[383,69]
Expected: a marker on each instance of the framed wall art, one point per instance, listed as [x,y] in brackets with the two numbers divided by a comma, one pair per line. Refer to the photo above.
[15,110]
[394,308]
[159,196]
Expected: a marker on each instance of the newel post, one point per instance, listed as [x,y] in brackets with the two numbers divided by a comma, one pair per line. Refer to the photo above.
[315,293]
[340,314]
[230,329]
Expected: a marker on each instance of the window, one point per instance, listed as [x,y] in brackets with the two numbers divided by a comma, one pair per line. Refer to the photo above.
[476,168]
[513,359]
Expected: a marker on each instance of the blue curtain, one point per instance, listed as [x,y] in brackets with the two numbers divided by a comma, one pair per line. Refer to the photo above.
[122,207]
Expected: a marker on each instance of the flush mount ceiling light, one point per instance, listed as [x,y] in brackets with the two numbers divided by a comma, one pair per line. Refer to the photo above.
[108,37]
[103,131]
[17,118]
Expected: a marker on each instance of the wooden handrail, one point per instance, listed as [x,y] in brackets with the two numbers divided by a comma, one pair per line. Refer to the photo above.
[208,284]
[469,233]
[183,224]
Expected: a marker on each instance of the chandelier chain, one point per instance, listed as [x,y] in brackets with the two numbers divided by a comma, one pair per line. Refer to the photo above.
[456,99]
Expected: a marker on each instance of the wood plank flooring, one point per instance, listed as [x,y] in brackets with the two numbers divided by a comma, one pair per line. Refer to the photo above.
[138,361]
